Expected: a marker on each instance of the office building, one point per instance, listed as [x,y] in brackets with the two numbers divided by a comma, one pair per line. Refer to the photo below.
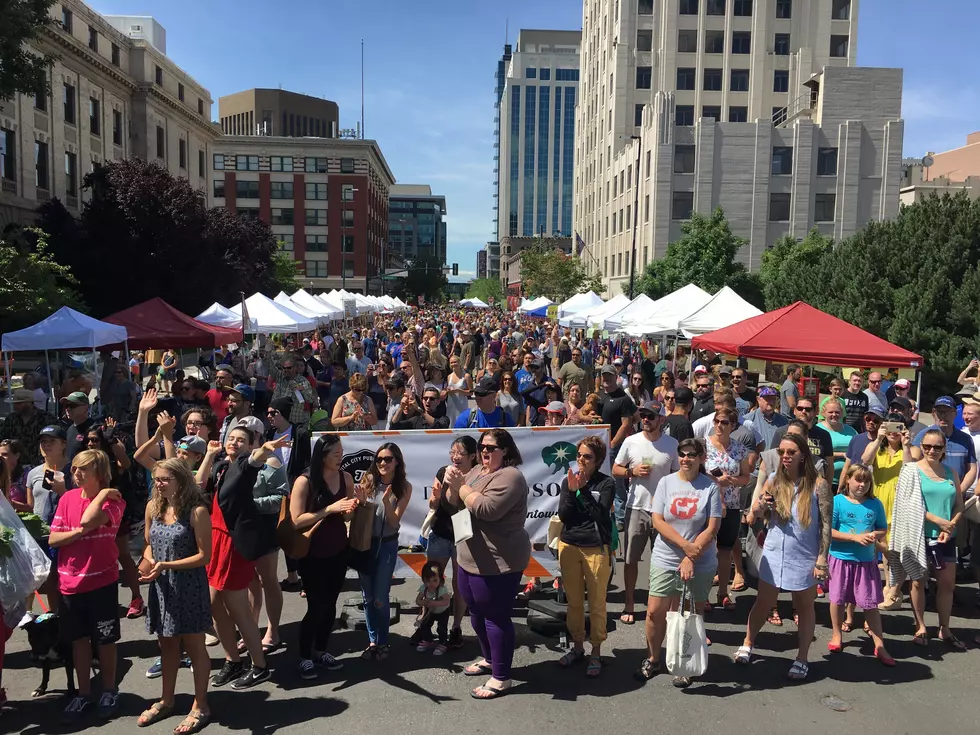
[754,106]
[416,228]
[481,263]
[279,113]
[325,198]
[949,172]
[537,95]
[115,94]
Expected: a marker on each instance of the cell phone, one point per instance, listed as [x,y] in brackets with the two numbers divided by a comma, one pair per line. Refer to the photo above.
[893,427]
[48,479]
[768,499]
[717,472]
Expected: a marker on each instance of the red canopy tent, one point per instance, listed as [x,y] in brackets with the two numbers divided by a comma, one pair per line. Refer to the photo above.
[802,334]
[155,323]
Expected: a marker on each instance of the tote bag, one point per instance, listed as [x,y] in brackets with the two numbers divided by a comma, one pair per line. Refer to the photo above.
[462,526]
[687,649]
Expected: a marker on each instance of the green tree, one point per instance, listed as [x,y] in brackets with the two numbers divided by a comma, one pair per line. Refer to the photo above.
[425,278]
[705,256]
[21,69]
[788,269]
[285,273]
[486,289]
[547,271]
[32,284]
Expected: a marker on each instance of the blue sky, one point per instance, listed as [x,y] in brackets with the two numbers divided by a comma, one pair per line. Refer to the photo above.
[430,64]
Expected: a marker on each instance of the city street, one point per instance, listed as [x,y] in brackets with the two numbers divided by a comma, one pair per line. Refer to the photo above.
[417,693]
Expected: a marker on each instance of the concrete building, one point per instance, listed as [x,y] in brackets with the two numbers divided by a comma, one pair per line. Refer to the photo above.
[115,94]
[279,113]
[325,198]
[537,135]
[481,263]
[752,106]
[416,228]
[939,173]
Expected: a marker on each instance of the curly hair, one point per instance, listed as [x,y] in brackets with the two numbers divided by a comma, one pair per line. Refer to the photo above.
[186,493]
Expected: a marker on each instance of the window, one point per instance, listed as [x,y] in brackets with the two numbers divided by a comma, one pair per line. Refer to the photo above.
[645,7]
[41,165]
[646,208]
[201,164]
[218,162]
[566,75]
[644,40]
[826,162]
[66,19]
[8,163]
[200,107]
[93,39]
[248,212]
[782,160]
[316,268]
[158,76]
[316,243]
[115,55]
[715,7]
[71,175]
[738,113]
[712,80]
[348,243]
[316,191]
[780,80]
[686,77]
[779,207]
[823,207]
[530,73]
[316,165]
[281,163]
[841,10]
[346,165]
[94,117]
[638,115]
[644,76]
[742,8]
[218,188]
[247,189]
[316,217]
[117,125]
[838,47]
[281,190]
[687,42]
[682,205]
[544,75]
[286,241]
[784,8]
[740,80]
[713,111]
[684,159]
[714,42]
[69,100]
[182,153]
[347,192]
[161,143]
[684,115]
[180,91]
[348,219]
[614,230]
[282,216]
[689,7]
[41,97]
[780,46]
[741,42]
[648,164]
[247,163]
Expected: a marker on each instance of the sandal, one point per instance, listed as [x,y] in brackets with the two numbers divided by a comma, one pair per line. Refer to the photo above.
[738,585]
[594,668]
[743,656]
[953,642]
[478,669]
[157,711]
[921,639]
[648,669]
[488,692]
[194,722]
[774,618]
[727,604]
[681,682]
[268,648]
[798,671]
[368,653]
[846,627]
[627,618]
[573,656]
[381,653]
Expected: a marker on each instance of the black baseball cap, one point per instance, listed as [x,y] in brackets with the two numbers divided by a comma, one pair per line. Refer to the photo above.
[53,431]
[485,386]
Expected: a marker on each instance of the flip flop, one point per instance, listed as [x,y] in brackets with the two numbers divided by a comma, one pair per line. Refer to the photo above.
[627,618]
[594,668]
[268,648]
[846,627]
[476,669]
[953,642]
[485,692]
[775,619]
[738,586]
[920,639]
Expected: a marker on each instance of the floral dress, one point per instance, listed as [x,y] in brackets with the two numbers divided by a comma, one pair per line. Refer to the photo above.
[729,461]
[349,406]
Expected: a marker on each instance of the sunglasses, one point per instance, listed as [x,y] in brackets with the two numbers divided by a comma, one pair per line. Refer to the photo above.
[586,457]
[804,408]
[787,452]
[385,460]
[272,412]
[670,398]
[722,422]
[933,447]
[688,455]
[875,382]
[489,448]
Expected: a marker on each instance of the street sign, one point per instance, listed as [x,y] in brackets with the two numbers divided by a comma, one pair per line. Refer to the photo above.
[553,311]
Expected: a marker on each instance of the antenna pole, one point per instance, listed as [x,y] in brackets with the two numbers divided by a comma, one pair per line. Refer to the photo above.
[362,88]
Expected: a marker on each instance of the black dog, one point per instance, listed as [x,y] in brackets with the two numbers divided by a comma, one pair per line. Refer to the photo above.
[47,648]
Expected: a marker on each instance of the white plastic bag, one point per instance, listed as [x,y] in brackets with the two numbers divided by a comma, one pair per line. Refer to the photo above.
[687,648]
[462,526]
[27,567]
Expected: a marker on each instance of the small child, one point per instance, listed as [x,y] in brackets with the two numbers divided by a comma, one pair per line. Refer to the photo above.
[433,599]
[858,524]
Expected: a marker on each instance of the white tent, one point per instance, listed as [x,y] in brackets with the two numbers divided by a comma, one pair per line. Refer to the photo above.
[579,302]
[476,303]
[635,309]
[64,329]
[725,308]
[311,303]
[283,300]
[266,316]
[535,304]
[667,312]
[595,316]
[219,316]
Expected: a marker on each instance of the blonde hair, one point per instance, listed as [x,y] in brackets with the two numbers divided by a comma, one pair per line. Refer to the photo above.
[858,469]
[94,458]
[828,402]
[783,488]
[187,495]
[358,382]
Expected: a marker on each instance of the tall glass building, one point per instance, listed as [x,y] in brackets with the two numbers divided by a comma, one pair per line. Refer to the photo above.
[536,134]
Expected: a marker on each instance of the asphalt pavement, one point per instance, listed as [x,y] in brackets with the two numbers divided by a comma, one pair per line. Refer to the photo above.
[850,692]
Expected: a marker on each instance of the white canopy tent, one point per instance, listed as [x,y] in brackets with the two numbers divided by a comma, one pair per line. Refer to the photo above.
[219,316]
[283,300]
[578,303]
[476,303]
[266,317]
[332,301]
[596,316]
[667,312]
[535,304]
[311,303]
[635,309]
[725,308]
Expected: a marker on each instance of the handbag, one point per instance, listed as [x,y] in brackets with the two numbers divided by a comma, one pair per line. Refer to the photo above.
[462,526]
[687,649]
[555,527]
[971,511]
[426,526]
[295,544]
[362,527]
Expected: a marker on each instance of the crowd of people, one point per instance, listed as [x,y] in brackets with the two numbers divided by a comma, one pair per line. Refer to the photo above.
[207,474]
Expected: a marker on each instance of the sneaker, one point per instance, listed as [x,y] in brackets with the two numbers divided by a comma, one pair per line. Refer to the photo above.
[456,638]
[529,589]
[307,669]
[156,668]
[439,650]
[425,646]
[77,707]
[328,662]
[136,609]
[250,678]
[286,586]
[108,704]
[210,639]
[229,673]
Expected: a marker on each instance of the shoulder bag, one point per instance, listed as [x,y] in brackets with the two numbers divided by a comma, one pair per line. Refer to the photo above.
[295,544]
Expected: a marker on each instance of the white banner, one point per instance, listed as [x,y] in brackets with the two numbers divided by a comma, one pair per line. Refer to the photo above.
[548,454]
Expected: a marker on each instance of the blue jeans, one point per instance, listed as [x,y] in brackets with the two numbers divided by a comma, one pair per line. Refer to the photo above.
[622,492]
[375,589]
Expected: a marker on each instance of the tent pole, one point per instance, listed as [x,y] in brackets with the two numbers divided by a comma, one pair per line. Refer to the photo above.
[50,381]
[6,369]
[918,390]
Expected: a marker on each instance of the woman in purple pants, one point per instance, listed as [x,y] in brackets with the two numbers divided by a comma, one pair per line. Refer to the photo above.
[492,562]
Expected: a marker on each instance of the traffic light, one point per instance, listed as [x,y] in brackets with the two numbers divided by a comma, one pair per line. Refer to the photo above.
[455,269]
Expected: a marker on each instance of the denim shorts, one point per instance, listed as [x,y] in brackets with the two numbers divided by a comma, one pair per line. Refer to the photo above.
[440,548]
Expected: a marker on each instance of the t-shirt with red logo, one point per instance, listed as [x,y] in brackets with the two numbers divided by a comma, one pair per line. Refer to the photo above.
[92,561]
[218,401]
[687,507]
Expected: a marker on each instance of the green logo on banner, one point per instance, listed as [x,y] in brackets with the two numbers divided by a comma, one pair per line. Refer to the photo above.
[559,456]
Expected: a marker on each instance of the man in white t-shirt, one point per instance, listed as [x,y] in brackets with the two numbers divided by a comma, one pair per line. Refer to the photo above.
[971,425]
[643,460]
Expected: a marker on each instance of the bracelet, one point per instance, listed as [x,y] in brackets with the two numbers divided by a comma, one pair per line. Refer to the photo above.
[822,567]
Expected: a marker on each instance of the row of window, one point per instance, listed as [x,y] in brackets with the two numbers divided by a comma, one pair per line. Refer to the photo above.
[824,206]
[318,268]
[544,74]
[310,164]
[281,190]
[712,79]
[8,164]
[741,43]
[70,112]
[840,10]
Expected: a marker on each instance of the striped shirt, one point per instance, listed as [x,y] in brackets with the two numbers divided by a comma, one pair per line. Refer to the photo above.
[92,561]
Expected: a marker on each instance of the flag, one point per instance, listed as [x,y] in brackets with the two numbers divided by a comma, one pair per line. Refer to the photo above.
[645,349]
[245,319]
[579,244]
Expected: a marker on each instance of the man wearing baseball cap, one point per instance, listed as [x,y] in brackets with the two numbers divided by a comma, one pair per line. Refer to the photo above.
[25,423]
[960,456]
[52,476]
[239,401]
[766,419]
[76,408]
[704,400]
[554,413]
[487,413]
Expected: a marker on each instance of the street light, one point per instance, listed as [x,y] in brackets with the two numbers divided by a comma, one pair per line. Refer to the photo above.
[344,192]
